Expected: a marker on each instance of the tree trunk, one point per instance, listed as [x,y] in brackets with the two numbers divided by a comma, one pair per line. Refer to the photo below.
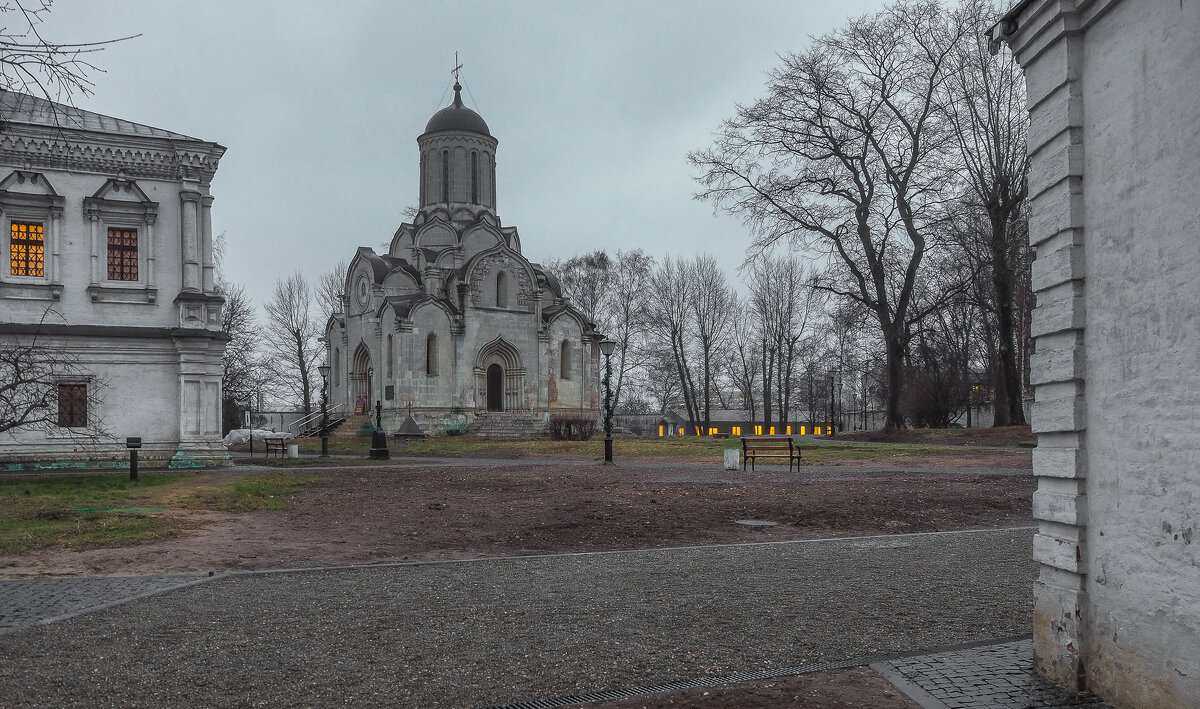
[895,369]
[1008,409]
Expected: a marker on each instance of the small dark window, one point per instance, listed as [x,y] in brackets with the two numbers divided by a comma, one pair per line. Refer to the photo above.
[122,255]
[501,290]
[564,365]
[431,359]
[474,177]
[446,176]
[72,405]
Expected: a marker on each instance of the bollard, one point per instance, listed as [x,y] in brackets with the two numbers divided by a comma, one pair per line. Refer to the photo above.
[133,443]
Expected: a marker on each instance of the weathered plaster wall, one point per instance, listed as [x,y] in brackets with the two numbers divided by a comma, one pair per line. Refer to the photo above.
[1115,147]
[1141,93]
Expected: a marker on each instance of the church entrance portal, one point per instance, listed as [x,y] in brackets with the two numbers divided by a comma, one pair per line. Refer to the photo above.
[360,381]
[495,388]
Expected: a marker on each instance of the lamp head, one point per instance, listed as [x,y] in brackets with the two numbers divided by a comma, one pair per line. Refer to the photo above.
[607,346]
[324,370]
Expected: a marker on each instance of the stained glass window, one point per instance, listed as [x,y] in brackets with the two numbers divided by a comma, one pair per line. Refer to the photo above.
[72,405]
[122,255]
[27,249]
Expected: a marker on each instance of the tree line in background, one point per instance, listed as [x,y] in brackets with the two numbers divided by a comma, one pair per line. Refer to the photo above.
[884,181]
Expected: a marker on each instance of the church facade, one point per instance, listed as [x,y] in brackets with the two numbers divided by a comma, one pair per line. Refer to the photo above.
[453,324]
[110,321]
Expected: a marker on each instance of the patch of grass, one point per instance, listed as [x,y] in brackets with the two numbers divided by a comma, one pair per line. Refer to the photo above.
[41,513]
[271,491]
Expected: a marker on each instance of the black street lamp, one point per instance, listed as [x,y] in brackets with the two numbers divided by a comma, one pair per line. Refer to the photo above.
[606,346]
[324,370]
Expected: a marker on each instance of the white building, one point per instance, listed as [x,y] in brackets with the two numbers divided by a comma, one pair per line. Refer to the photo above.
[1114,141]
[109,268]
[453,321]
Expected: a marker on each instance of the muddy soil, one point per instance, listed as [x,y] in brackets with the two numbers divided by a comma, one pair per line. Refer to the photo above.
[404,512]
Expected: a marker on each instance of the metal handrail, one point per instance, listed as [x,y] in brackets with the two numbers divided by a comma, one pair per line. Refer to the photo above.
[303,424]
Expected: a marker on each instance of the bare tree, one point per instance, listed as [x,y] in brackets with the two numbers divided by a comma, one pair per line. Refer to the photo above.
[847,156]
[31,63]
[671,321]
[626,315]
[985,104]
[711,302]
[242,368]
[744,360]
[292,337]
[783,303]
[585,280]
[331,287]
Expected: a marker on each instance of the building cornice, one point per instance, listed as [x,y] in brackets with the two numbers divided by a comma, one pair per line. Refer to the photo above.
[151,157]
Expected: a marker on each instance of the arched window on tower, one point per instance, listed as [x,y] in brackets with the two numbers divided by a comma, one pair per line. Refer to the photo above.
[424,177]
[492,163]
[474,177]
[431,358]
[445,175]
[390,357]
[501,289]
[564,364]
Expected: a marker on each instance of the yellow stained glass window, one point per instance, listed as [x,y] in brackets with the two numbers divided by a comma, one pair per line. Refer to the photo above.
[122,255]
[737,430]
[27,250]
[789,430]
[772,431]
[758,430]
[660,430]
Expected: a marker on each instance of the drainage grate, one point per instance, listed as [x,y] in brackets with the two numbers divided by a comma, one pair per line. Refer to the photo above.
[609,695]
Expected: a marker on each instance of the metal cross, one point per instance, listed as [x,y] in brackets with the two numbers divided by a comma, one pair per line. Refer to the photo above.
[457,66]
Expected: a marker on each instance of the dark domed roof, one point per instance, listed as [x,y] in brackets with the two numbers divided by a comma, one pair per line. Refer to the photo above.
[456,116]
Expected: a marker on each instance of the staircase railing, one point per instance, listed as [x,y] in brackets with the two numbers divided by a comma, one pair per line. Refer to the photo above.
[301,425]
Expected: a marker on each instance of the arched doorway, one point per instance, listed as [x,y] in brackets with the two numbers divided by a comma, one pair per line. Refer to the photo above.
[499,378]
[360,380]
[495,388]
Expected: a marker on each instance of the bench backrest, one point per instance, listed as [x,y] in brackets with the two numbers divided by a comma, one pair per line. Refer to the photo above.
[766,441]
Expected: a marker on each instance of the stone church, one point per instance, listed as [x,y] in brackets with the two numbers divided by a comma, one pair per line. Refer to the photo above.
[453,324]
[107,287]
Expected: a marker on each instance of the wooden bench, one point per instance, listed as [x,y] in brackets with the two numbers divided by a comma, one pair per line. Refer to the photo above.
[275,445]
[770,447]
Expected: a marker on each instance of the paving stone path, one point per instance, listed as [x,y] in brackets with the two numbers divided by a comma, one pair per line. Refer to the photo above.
[998,676]
[28,602]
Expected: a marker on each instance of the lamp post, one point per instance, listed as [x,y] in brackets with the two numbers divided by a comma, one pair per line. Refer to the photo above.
[324,370]
[606,346]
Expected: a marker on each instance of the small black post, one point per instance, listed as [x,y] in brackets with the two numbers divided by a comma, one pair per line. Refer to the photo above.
[379,449]
[133,443]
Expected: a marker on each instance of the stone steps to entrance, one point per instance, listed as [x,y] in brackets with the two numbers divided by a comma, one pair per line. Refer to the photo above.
[506,424]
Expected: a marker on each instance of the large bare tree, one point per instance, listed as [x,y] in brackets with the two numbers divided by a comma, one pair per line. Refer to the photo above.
[711,301]
[292,337]
[331,287]
[672,322]
[985,104]
[847,157]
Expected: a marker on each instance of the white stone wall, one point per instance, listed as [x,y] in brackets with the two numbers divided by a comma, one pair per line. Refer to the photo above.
[1114,95]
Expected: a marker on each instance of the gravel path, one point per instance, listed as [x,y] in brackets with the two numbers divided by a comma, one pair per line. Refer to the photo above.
[462,634]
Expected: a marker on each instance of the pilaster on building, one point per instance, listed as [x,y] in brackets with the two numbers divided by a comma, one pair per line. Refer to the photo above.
[1117,597]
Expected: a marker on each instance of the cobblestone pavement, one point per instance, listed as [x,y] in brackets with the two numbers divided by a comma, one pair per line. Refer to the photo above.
[494,631]
[998,676]
[27,602]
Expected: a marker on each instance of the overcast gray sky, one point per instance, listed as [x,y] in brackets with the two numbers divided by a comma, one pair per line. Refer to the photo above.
[595,104]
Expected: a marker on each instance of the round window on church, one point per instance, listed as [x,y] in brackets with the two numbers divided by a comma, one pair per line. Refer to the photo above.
[363,290]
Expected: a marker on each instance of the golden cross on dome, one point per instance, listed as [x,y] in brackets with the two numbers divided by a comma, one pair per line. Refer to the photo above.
[457,66]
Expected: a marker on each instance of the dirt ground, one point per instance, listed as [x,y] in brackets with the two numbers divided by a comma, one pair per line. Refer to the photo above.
[404,511]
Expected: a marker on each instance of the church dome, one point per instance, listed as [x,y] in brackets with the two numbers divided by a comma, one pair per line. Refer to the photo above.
[457,117]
